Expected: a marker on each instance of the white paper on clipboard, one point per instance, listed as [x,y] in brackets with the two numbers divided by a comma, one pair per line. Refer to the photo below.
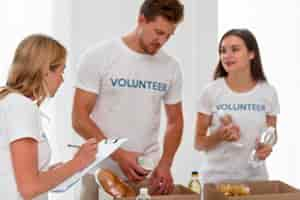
[105,148]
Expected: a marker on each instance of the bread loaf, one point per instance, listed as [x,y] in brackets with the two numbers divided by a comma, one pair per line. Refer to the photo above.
[113,185]
[226,120]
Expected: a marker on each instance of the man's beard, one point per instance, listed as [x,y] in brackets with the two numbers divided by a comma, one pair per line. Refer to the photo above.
[145,49]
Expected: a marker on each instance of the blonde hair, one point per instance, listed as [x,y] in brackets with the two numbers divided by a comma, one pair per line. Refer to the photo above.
[36,54]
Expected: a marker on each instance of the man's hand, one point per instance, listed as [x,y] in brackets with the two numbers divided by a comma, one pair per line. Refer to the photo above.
[127,161]
[161,181]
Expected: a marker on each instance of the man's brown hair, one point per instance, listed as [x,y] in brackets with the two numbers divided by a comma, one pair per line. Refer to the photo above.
[172,10]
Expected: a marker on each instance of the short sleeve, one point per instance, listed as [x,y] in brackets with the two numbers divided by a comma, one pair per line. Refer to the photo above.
[174,93]
[273,107]
[204,102]
[22,118]
[89,70]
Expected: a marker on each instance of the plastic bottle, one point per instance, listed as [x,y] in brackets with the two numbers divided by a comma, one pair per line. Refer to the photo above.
[143,195]
[267,137]
[194,183]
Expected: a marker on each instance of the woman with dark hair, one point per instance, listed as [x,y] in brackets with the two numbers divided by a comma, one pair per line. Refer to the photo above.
[241,94]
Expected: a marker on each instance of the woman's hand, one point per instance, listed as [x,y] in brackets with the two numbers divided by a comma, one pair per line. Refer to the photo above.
[229,133]
[263,151]
[86,154]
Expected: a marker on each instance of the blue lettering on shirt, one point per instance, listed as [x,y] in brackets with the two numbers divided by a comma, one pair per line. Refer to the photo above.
[139,84]
[113,82]
[242,107]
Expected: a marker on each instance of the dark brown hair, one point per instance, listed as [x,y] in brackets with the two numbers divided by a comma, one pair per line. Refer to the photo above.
[172,10]
[257,72]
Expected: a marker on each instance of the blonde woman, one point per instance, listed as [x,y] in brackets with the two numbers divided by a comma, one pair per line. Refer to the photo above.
[36,73]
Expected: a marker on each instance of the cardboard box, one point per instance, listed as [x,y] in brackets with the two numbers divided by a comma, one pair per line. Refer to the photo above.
[180,193]
[259,190]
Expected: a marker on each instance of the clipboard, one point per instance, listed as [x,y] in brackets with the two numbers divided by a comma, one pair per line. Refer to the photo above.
[105,148]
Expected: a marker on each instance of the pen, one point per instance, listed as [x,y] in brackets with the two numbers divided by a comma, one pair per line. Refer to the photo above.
[73,145]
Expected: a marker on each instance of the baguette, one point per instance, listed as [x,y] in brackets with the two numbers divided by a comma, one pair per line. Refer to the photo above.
[113,185]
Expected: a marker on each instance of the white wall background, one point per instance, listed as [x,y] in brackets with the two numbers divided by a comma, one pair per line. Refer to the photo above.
[79,24]
[297,85]
[17,21]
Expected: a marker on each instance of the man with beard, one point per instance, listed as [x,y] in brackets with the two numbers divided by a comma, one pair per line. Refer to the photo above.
[120,88]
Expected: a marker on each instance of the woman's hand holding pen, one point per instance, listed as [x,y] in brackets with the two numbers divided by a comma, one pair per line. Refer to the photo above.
[86,154]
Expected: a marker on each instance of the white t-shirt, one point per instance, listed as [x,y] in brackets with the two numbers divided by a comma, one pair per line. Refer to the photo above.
[20,118]
[130,89]
[248,111]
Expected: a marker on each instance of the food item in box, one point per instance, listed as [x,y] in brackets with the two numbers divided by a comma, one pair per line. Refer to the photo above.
[225,119]
[233,189]
[113,185]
